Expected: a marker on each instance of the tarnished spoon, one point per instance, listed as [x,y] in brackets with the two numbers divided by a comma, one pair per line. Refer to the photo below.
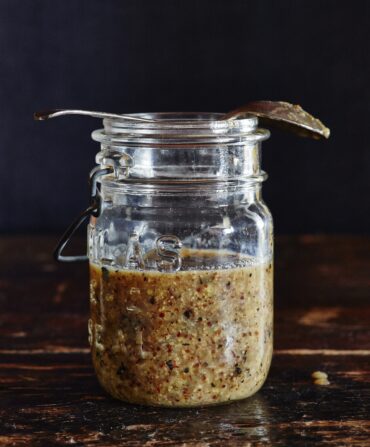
[284,115]
[41,116]
[280,114]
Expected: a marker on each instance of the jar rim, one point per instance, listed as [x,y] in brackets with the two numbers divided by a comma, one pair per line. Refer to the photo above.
[184,120]
[179,128]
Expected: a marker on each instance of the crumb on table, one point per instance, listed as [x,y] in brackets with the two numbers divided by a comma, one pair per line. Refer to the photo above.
[320,378]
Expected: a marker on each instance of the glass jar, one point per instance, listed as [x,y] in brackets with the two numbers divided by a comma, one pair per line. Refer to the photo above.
[180,248]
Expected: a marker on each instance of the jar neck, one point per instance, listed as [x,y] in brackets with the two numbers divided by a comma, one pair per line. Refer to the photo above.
[181,148]
[216,195]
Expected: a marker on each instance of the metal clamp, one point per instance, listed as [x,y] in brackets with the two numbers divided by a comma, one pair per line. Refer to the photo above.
[93,209]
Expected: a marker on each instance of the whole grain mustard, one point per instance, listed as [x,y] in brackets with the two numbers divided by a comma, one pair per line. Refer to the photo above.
[188,338]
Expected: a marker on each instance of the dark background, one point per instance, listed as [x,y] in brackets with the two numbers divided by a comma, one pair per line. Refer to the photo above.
[203,55]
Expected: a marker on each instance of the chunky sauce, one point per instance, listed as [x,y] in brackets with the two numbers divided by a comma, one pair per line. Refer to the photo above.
[192,337]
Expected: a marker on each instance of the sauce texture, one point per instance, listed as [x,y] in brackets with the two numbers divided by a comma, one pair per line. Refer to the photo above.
[193,337]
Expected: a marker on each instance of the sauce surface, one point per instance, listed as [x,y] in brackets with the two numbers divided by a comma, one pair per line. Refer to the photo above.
[192,337]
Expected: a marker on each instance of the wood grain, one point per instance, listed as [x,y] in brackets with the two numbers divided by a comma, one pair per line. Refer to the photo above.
[49,395]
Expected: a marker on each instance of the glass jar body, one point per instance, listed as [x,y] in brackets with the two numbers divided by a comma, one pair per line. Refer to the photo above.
[181,292]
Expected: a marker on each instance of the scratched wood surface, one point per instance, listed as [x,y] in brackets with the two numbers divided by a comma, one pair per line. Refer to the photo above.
[49,395]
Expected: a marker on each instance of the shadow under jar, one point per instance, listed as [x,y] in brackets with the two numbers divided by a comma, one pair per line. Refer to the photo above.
[181,261]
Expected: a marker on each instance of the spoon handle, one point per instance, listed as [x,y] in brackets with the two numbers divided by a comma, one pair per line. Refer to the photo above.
[40,116]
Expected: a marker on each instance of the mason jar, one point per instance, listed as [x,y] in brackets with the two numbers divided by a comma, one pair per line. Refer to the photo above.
[180,245]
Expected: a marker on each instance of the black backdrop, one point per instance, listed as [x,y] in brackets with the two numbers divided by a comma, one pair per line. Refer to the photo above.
[209,55]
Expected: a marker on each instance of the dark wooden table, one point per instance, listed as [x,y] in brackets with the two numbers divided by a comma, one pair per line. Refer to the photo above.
[49,395]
